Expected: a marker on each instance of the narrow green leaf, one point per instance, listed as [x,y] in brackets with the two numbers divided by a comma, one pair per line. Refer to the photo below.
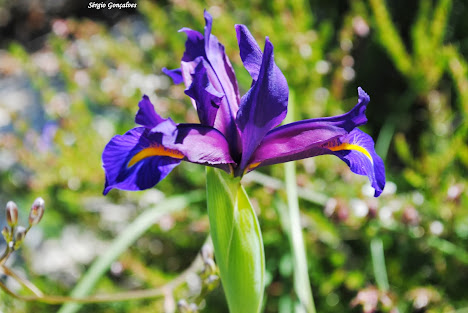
[302,285]
[237,242]
[449,248]
[292,217]
[439,22]
[378,263]
[389,38]
[128,236]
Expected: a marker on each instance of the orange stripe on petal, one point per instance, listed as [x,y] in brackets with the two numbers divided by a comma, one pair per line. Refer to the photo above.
[334,146]
[252,166]
[155,150]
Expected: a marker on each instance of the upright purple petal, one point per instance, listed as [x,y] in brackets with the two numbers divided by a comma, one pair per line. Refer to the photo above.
[225,82]
[129,165]
[220,75]
[222,67]
[194,45]
[206,97]
[250,52]
[263,107]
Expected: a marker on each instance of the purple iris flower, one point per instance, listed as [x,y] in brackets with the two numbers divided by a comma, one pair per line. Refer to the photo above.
[235,134]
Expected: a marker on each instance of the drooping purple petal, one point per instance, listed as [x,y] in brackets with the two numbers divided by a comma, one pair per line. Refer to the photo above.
[207,98]
[357,150]
[197,143]
[336,135]
[263,107]
[250,52]
[296,140]
[140,158]
[175,74]
[130,161]
[202,145]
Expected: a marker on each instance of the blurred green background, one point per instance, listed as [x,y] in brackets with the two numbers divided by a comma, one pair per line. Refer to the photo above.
[71,78]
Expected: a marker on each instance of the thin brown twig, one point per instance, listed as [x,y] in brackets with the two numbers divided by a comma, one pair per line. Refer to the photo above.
[121,296]
[5,256]
[23,281]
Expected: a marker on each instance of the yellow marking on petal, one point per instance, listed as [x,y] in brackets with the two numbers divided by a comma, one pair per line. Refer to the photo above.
[252,166]
[155,150]
[333,146]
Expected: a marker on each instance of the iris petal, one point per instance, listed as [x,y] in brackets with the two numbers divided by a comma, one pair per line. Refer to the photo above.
[221,76]
[124,174]
[357,150]
[194,45]
[264,106]
[250,52]
[146,115]
[200,144]
[175,74]
[298,140]
[331,135]
[207,98]
[143,156]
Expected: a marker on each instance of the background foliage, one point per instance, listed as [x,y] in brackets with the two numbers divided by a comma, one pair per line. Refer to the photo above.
[71,78]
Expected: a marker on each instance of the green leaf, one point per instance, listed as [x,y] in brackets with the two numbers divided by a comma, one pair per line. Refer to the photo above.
[237,242]
[128,236]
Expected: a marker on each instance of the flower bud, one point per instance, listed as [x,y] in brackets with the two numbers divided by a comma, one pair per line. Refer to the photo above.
[211,282]
[6,234]
[183,306]
[11,214]
[19,236]
[410,216]
[210,267]
[206,252]
[37,211]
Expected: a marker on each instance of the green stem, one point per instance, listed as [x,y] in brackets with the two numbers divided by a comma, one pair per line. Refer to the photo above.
[237,242]
[385,138]
[301,273]
[378,264]
[277,184]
